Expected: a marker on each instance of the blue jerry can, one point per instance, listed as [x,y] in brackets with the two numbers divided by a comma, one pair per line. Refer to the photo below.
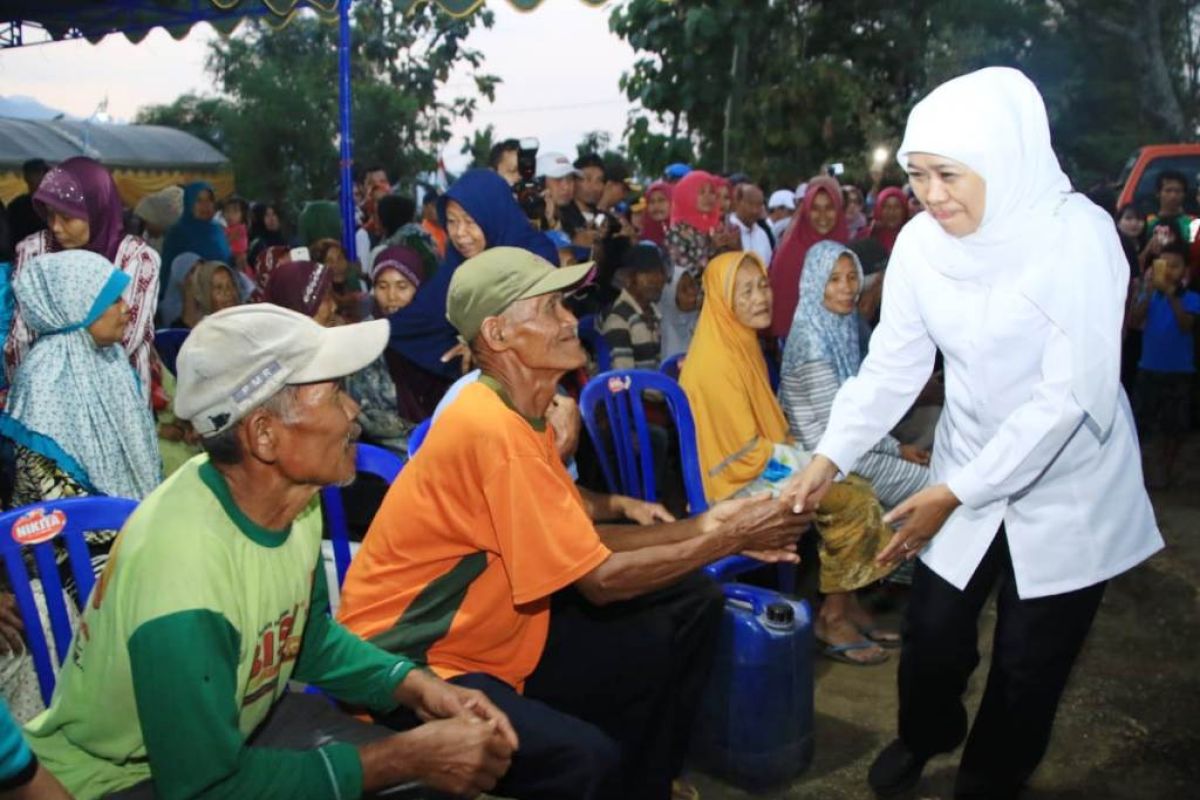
[755,725]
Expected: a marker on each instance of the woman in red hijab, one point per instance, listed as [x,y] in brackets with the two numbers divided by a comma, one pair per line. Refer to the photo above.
[889,216]
[821,216]
[658,213]
[695,213]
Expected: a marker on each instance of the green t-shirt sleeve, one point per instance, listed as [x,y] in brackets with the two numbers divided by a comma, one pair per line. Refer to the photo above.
[184,679]
[334,659]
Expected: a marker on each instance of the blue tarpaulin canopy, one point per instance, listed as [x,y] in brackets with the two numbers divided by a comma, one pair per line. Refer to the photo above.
[95,19]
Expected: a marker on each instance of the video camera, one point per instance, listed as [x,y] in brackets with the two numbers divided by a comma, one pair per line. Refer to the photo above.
[528,189]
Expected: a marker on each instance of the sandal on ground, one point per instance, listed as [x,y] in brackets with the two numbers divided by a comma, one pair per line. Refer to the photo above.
[682,789]
[884,637]
[838,652]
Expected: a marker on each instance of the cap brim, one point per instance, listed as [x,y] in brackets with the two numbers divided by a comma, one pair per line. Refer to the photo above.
[344,350]
[563,279]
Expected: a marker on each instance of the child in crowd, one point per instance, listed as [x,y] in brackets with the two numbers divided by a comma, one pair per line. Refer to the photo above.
[236,211]
[1167,313]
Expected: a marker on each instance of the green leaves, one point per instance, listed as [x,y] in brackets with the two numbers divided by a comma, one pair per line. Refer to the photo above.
[276,116]
[829,80]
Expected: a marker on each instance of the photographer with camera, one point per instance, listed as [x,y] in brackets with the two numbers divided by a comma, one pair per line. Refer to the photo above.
[556,175]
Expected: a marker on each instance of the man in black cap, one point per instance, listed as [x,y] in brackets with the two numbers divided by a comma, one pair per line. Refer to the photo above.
[633,327]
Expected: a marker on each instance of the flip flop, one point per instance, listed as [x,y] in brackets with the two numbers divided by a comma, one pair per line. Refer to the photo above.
[880,635]
[837,652]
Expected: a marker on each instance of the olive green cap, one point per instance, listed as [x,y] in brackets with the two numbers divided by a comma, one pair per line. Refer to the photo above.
[485,285]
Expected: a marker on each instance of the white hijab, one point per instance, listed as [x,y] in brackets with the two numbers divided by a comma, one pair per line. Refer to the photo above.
[1048,243]
[677,326]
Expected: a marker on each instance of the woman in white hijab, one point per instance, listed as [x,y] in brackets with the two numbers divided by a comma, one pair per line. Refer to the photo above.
[1035,484]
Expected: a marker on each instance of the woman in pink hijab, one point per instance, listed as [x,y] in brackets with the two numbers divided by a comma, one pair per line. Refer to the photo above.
[821,216]
[695,214]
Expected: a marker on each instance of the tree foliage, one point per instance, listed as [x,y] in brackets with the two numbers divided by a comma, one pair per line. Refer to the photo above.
[781,88]
[479,146]
[276,115]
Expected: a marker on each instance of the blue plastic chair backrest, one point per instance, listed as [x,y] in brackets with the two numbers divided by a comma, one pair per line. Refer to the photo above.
[672,366]
[417,437]
[167,342]
[36,527]
[620,392]
[589,333]
[369,459]
[629,466]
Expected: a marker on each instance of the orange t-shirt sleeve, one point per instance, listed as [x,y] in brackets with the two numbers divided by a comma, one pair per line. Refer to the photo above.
[545,538]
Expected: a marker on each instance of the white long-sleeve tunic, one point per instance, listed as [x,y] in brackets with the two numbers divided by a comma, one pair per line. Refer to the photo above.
[1012,443]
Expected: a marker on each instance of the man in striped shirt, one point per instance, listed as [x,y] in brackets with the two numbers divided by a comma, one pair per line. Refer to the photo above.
[632,326]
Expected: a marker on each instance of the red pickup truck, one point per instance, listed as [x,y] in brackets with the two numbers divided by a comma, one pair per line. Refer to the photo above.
[1144,166]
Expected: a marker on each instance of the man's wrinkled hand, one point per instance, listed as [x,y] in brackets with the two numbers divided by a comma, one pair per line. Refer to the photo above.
[564,418]
[642,512]
[433,698]
[762,523]
[461,756]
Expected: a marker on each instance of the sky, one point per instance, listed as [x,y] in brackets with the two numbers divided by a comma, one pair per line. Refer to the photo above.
[559,65]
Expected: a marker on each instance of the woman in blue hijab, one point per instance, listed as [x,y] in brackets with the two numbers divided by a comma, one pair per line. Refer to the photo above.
[478,212]
[195,232]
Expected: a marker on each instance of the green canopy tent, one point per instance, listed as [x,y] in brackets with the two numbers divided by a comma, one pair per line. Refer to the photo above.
[55,20]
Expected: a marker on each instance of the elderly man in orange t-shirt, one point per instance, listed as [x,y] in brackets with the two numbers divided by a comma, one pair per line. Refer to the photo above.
[483,563]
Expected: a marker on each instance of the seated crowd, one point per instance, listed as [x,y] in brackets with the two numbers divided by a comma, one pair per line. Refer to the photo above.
[503,627]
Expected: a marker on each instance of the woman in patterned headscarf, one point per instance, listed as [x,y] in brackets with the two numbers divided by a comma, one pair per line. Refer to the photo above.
[823,352]
[83,212]
[75,410]
[821,216]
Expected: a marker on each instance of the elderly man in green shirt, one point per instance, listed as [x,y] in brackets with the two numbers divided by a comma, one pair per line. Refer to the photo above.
[214,598]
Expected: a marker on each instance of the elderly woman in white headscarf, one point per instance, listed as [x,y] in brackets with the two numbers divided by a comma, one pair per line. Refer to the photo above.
[1035,485]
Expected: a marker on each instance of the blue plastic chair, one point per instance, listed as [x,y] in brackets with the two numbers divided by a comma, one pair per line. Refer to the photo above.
[417,437]
[620,393]
[36,527]
[369,459]
[593,339]
[167,342]
[773,372]
[672,366]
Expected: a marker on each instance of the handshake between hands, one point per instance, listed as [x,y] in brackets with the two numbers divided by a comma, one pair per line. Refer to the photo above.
[920,516]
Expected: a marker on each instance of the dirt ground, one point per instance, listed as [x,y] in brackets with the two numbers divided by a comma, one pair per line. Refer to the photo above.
[1129,723]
